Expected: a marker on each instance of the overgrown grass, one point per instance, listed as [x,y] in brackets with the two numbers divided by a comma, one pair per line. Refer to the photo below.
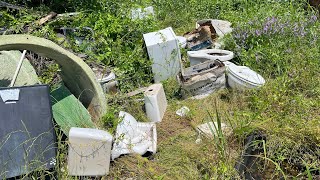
[278,39]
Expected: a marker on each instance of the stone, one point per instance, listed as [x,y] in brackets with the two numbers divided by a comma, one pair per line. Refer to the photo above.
[183,111]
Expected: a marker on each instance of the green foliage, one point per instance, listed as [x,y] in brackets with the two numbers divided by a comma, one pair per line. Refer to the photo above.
[278,39]
[48,76]
[110,120]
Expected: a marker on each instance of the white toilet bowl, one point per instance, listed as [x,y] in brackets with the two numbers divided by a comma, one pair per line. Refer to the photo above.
[201,56]
[242,77]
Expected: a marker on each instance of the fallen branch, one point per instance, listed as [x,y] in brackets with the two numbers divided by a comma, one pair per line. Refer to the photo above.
[47,18]
[10,6]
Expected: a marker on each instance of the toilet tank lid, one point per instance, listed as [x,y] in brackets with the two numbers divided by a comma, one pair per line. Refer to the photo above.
[246,74]
[159,37]
[89,133]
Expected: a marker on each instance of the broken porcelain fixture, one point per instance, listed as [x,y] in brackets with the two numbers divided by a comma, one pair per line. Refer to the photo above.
[134,137]
[182,41]
[106,78]
[109,83]
[89,152]
[155,102]
[242,77]
[202,79]
[210,129]
[183,111]
[142,13]
[164,52]
[228,63]
[201,56]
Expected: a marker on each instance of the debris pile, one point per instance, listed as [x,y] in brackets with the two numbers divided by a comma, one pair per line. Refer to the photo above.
[80,98]
[203,79]
[201,38]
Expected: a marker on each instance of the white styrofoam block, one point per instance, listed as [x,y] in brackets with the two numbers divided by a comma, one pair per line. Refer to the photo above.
[155,102]
[89,152]
[163,49]
[134,137]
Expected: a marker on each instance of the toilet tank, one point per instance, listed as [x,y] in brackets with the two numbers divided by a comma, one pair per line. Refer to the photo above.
[89,152]
[163,50]
[155,102]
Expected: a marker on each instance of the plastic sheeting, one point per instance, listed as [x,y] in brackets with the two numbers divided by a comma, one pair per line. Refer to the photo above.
[134,137]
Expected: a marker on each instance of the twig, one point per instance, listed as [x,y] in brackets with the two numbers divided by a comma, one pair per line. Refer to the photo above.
[45,19]
[8,5]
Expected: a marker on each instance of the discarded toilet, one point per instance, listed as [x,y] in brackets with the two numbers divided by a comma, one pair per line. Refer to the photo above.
[155,102]
[108,82]
[164,52]
[201,56]
[242,77]
[89,152]
[134,137]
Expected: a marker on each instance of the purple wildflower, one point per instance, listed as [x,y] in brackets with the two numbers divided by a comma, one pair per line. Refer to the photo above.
[313,19]
[258,32]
